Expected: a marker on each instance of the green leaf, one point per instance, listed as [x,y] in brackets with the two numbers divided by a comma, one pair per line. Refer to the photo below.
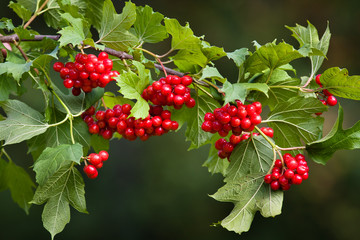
[52,15]
[322,150]
[182,37]
[245,186]
[194,118]
[15,69]
[94,12]
[278,91]
[7,86]
[7,24]
[22,122]
[28,4]
[43,61]
[339,83]
[78,104]
[60,134]
[294,120]
[212,53]
[51,159]
[90,42]
[186,60]
[239,91]
[148,27]
[213,73]
[308,37]
[73,34]
[132,86]
[249,195]
[20,185]
[64,187]
[20,10]
[114,27]
[238,56]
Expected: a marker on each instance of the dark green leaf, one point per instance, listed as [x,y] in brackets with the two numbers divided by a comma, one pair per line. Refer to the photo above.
[22,122]
[21,11]
[214,163]
[28,4]
[7,24]
[60,134]
[294,120]
[182,37]
[148,27]
[322,150]
[114,27]
[194,118]
[245,186]
[186,59]
[20,185]
[3,183]
[64,187]
[51,159]
[308,37]
[94,12]
[7,86]
[339,83]
[98,143]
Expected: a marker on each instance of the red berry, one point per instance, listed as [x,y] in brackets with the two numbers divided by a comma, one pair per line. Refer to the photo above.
[174,125]
[289,174]
[299,157]
[108,64]
[301,169]
[235,122]
[268,178]
[166,89]
[95,159]
[107,134]
[99,165]
[180,89]
[186,80]
[278,163]
[317,79]
[100,115]
[326,92]
[305,176]
[190,103]
[90,170]
[156,121]
[228,147]
[283,180]
[102,56]
[178,100]
[68,83]
[94,128]
[104,155]
[175,80]
[296,179]
[235,139]
[258,107]
[126,108]
[245,123]
[275,175]
[292,164]
[255,119]
[331,101]
[275,185]
[58,66]
[76,91]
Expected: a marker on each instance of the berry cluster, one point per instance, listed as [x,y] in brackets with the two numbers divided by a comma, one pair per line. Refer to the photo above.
[294,171]
[105,123]
[328,98]
[95,162]
[87,72]
[170,91]
[225,148]
[233,118]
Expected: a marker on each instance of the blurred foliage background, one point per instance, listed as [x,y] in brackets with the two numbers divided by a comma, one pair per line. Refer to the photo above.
[158,190]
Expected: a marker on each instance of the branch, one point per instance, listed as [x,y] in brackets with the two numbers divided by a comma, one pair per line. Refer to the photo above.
[119,54]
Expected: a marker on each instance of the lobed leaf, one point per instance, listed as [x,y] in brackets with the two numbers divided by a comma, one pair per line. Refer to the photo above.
[132,85]
[114,27]
[51,159]
[15,69]
[73,34]
[339,83]
[322,150]
[148,27]
[239,91]
[7,86]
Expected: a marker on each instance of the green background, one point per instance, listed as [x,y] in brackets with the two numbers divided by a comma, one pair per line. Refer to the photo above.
[158,190]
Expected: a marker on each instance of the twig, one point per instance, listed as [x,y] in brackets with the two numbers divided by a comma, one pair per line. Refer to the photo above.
[35,14]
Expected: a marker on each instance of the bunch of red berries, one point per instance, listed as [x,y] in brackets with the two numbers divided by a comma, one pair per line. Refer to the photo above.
[225,148]
[105,123]
[233,118]
[95,162]
[294,171]
[328,98]
[87,72]
[170,91]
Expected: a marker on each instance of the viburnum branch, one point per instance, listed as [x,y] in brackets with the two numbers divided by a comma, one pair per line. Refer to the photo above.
[291,148]
[162,66]
[37,13]
[103,102]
